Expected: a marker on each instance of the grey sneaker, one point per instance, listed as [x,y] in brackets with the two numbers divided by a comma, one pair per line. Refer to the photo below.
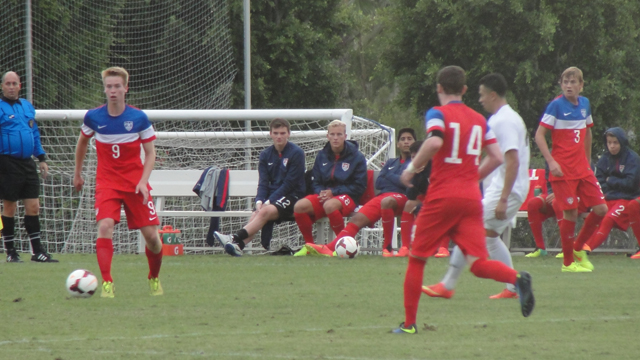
[233,249]
[224,239]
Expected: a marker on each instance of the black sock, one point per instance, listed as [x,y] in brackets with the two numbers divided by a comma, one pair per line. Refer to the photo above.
[32,225]
[240,235]
[8,232]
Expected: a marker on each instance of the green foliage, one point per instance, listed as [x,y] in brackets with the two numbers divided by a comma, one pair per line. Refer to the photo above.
[293,47]
[281,307]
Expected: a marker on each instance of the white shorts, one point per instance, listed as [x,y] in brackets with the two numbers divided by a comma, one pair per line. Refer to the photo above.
[489,203]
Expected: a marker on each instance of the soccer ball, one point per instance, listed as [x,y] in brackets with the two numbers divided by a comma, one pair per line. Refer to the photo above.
[347,247]
[82,283]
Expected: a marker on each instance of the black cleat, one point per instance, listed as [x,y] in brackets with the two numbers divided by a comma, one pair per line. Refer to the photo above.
[525,291]
[12,256]
[43,257]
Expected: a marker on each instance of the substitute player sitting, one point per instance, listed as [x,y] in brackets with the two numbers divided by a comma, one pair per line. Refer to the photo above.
[618,172]
[339,180]
[387,205]
[281,183]
[508,185]
[569,119]
[121,177]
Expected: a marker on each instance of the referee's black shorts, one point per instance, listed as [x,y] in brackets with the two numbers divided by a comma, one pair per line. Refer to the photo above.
[18,179]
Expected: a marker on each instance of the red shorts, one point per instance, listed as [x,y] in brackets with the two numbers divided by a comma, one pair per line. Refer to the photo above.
[568,191]
[458,219]
[373,208]
[618,214]
[348,205]
[109,203]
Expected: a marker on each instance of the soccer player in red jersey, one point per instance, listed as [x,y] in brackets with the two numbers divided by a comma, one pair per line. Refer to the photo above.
[569,119]
[121,176]
[456,136]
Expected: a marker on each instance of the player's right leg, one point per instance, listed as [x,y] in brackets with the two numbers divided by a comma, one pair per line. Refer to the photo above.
[537,212]
[108,205]
[358,221]
[8,231]
[303,211]
[406,225]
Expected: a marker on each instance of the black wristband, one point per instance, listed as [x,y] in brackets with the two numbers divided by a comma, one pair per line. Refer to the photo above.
[42,158]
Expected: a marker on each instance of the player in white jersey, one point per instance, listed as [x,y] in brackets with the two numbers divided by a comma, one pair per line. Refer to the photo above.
[508,184]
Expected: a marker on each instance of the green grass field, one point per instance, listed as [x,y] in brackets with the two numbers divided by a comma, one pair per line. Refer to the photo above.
[276,307]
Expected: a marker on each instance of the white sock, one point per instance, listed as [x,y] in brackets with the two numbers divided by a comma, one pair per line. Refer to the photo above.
[498,251]
[456,264]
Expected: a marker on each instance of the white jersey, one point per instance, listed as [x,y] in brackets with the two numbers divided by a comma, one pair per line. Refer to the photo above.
[511,134]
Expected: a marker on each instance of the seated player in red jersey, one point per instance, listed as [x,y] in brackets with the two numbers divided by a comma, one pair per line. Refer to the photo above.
[569,120]
[618,172]
[121,176]
[339,180]
[456,137]
[387,205]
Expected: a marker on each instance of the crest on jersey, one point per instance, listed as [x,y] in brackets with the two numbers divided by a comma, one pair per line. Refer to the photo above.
[31,123]
[570,200]
[345,166]
[285,161]
[583,112]
[621,167]
[128,125]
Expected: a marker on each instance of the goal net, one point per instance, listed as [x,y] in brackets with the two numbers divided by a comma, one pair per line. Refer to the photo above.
[187,143]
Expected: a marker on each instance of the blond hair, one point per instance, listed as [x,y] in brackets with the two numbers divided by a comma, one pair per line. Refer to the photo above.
[337,122]
[572,71]
[116,71]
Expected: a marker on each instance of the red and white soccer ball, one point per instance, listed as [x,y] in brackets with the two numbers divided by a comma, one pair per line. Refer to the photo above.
[82,283]
[347,248]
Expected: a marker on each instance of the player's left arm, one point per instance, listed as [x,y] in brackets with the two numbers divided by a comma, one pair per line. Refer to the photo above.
[491,161]
[357,181]
[293,179]
[149,162]
[38,151]
[588,138]
[511,165]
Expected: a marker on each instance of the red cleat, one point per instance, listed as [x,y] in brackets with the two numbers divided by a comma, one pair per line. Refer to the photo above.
[586,247]
[505,294]
[443,252]
[387,253]
[318,250]
[438,290]
[636,256]
[403,252]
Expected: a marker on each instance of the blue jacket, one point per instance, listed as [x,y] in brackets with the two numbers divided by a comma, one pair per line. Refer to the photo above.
[19,134]
[281,175]
[343,174]
[619,175]
[389,178]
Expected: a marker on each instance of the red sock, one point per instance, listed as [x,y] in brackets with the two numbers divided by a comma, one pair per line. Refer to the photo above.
[536,218]
[351,230]
[305,225]
[104,252]
[601,235]
[336,221]
[567,235]
[406,228]
[155,261]
[493,269]
[633,209]
[412,289]
[388,217]
[591,224]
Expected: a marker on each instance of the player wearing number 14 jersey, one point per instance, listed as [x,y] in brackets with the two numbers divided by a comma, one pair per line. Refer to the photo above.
[456,135]
[121,177]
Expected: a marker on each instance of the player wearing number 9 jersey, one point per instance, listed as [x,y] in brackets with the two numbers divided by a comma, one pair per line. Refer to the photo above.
[121,177]
[456,135]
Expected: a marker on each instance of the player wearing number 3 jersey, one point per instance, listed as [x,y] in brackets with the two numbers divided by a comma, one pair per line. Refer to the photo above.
[121,177]
[456,135]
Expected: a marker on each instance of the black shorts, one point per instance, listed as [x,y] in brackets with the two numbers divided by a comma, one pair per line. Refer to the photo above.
[285,208]
[18,179]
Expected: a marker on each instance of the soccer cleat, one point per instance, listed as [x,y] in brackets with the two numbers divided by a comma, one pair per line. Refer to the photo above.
[224,239]
[318,250]
[582,259]
[302,252]
[107,290]
[560,256]
[233,249]
[43,257]
[438,290]
[387,253]
[525,293]
[575,268]
[405,330]
[443,252]
[505,294]
[537,253]
[634,256]
[154,287]
[403,252]
[586,247]
[12,256]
